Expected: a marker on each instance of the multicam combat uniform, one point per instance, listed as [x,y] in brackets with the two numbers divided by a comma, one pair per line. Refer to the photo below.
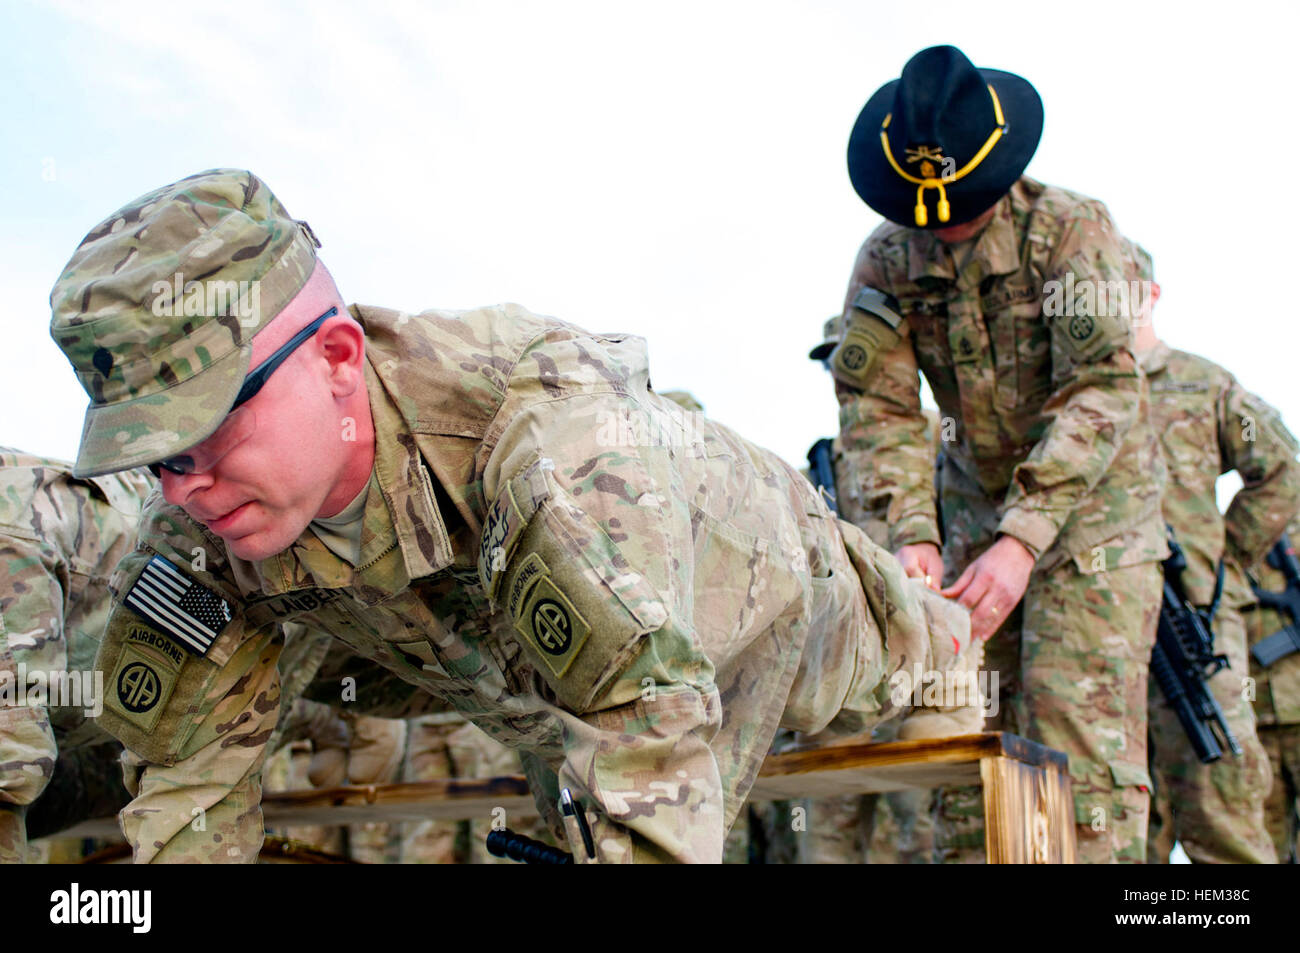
[60,538]
[638,619]
[1052,446]
[1208,424]
[1277,708]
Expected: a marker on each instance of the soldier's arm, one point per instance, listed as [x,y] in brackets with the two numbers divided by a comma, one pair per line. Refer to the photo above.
[195,722]
[1256,444]
[587,549]
[31,636]
[880,414]
[1098,389]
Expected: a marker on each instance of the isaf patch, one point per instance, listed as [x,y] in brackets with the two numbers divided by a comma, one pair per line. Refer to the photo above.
[546,617]
[170,600]
[501,529]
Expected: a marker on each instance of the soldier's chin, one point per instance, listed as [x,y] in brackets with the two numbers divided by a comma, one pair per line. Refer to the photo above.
[263,544]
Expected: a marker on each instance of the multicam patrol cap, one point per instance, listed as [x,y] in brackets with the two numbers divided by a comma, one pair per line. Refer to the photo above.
[158,306]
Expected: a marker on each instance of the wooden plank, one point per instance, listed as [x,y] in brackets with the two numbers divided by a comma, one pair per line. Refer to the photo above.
[855,766]
[446,799]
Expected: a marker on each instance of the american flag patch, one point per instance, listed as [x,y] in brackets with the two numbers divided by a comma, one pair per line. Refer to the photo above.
[171,600]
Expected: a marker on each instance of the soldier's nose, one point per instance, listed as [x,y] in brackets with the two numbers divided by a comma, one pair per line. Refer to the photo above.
[179,488]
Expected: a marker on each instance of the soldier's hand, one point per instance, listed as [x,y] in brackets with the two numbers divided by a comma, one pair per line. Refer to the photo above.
[993,585]
[922,561]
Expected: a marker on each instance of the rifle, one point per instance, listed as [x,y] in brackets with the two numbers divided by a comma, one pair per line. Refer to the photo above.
[1286,639]
[822,468]
[1183,660]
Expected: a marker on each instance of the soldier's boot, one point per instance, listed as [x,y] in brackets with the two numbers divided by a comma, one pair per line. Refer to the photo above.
[951,700]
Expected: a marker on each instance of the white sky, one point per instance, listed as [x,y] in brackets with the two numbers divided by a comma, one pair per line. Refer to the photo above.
[672,169]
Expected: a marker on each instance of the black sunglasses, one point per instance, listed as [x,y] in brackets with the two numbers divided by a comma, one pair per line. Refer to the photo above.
[182,464]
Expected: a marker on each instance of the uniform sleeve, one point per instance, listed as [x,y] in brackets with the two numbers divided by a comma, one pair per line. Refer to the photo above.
[1256,444]
[31,641]
[1098,389]
[881,421]
[195,723]
[586,549]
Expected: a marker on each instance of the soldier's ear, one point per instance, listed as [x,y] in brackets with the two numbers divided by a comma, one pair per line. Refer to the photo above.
[1155,292]
[343,344]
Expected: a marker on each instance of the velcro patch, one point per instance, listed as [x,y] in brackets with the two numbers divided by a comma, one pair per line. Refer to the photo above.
[143,635]
[170,600]
[965,345]
[144,679]
[549,620]
[865,338]
[1088,335]
[881,305]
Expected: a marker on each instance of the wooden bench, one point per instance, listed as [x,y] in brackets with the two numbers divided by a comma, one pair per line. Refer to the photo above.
[1027,803]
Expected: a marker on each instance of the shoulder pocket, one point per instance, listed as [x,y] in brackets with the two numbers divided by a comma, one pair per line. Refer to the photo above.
[576,607]
[871,327]
[164,648]
[1089,333]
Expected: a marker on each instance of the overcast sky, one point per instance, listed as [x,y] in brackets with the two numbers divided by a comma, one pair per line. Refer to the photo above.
[670,169]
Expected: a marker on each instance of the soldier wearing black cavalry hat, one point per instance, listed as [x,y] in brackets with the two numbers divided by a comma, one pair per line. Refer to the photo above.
[1052,478]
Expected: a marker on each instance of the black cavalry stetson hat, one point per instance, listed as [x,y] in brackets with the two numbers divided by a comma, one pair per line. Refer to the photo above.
[941,144]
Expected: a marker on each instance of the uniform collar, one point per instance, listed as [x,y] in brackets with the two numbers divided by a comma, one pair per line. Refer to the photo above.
[1155,360]
[403,536]
[407,487]
[996,249]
